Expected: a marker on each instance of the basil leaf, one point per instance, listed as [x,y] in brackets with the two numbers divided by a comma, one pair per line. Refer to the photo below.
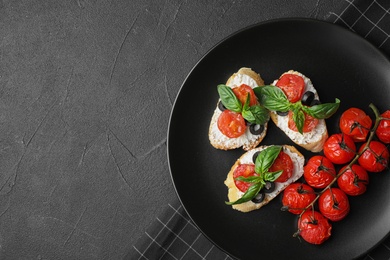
[272,176]
[322,111]
[299,119]
[229,99]
[247,101]
[261,114]
[248,116]
[273,98]
[246,112]
[250,179]
[256,115]
[248,195]
[257,91]
[266,158]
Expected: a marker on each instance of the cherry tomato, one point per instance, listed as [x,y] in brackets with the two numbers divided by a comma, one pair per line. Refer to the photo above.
[283,162]
[355,123]
[339,148]
[297,196]
[383,130]
[245,170]
[319,172]
[241,93]
[375,158]
[313,227]
[231,124]
[354,180]
[309,125]
[292,85]
[333,204]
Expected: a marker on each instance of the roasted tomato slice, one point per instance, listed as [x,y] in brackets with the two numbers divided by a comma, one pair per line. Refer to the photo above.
[313,227]
[292,85]
[231,124]
[241,93]
[244,170]
[297,196]
[309,125]
[355,123]
[283,162]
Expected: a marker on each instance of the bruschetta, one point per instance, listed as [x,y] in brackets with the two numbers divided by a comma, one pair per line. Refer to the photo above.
[296,109]
[229,129]
[271,168]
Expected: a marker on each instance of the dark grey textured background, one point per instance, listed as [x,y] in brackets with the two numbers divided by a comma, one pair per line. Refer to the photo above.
[86,90]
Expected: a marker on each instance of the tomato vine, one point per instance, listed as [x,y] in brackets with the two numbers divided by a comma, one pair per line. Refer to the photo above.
[355,160]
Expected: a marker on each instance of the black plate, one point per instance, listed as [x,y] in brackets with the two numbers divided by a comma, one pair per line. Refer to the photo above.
[340,64]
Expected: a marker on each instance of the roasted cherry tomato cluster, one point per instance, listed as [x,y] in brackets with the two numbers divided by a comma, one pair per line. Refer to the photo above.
[358,150]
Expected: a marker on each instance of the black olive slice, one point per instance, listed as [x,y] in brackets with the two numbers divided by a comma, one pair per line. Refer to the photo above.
[315,102]
[256,129]
[269,187]
[307,98]
[280,113]
[254,157]
[259,197]
[221,106]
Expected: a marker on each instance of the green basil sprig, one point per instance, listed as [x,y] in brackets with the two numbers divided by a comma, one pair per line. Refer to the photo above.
[264,161]
[255,114]
[274,99]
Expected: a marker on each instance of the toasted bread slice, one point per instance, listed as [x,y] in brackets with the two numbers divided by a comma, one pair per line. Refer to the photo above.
[312,141]
[234,193]
[248,140]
